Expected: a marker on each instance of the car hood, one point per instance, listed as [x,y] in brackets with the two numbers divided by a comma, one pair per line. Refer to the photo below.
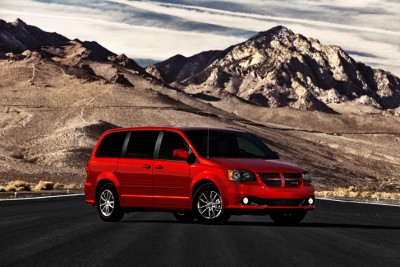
[258,165]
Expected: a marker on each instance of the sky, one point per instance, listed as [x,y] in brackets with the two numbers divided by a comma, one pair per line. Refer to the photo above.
[152,31]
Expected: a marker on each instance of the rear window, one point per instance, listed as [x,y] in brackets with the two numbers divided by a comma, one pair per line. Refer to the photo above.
[111,145]
[141,144]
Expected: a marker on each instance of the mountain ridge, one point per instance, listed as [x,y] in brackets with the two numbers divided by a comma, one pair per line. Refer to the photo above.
[17,36]
[277,68]
[19,40]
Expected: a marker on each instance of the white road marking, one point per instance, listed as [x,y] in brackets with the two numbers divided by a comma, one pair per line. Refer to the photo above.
[359,202]
[320,198]
[44,197]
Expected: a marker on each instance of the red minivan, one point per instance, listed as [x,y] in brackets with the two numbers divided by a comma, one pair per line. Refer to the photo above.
[194,172]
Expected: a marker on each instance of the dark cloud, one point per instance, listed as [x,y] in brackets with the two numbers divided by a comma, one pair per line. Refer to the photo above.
[361,54]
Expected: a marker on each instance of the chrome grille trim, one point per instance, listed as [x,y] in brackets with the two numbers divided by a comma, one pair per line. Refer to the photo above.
[275,179]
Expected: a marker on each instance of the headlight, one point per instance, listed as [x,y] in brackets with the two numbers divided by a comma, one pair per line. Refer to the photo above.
[306,177]
[240,176]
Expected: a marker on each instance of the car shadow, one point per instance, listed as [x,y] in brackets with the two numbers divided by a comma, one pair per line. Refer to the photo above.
[271,224]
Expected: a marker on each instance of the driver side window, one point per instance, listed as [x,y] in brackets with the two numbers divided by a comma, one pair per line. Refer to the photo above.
[169,143]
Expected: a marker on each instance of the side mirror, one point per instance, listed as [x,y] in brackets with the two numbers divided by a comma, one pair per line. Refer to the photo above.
[181,154]
[278,156]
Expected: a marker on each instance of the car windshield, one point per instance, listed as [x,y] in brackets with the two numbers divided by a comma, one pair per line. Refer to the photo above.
[228,144]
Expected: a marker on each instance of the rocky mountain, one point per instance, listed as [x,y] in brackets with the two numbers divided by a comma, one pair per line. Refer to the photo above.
[279,68]
[82,58]
[178,68]
[17,37]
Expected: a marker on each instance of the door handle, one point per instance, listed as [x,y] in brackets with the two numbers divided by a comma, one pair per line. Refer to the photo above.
[146,166]
[158,167]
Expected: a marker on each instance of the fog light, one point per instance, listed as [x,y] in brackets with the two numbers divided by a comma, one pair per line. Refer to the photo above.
[310,201]
[245,200]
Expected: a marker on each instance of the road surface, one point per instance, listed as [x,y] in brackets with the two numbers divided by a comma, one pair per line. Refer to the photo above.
[67,231]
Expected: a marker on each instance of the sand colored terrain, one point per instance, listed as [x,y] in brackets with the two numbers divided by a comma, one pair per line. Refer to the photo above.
[50,119]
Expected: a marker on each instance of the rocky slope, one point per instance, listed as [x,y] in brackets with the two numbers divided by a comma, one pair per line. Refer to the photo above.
[83,58]
[57,99]
[17,37]
[279,68]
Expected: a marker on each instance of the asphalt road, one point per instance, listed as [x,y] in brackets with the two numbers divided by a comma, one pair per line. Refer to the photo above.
[67,231]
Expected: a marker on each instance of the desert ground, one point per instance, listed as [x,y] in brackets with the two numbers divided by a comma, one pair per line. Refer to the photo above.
[52,115]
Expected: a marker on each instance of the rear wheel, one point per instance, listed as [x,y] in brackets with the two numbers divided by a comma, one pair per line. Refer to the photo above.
[108,204]
[184,216]
[208,206]
[288,218]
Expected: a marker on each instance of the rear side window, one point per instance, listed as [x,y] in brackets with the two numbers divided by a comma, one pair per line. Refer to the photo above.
[141,144]
[111,145]
[169,143]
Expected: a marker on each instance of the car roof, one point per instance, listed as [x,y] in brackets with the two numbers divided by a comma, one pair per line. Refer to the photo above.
[179,128]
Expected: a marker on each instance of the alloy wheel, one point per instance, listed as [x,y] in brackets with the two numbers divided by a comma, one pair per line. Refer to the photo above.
[107,202]
[209,204]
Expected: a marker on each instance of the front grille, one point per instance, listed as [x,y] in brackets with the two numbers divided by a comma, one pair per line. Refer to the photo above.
[283,202]
[292,175]
[255,201]
[275,179]
[269,175]
[292,183]
[272,183]
[271,179]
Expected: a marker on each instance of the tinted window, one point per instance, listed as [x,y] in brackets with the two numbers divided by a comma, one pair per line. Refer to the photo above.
[111,145]
[228,144]
[169,143]
[141,144]
[247,146]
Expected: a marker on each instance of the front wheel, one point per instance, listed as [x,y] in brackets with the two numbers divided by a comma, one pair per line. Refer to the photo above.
[108,204]
[208,205]
[288,218]
[184,216]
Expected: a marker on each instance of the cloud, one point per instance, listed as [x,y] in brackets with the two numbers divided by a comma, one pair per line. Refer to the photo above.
[358,40]
[134,40]
[237,19]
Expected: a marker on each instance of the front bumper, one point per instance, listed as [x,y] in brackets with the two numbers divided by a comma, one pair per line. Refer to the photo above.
[266,198]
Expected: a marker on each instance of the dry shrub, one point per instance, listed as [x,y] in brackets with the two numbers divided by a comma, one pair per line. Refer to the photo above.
[71,186]
[353,192]
[58,186]
[365,194]
[351,188]
[17,186]
[341,192]
[385,195]
[44,185]
[324,194]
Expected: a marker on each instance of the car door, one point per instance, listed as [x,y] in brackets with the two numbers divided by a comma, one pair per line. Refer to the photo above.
[171,180]
[135,169]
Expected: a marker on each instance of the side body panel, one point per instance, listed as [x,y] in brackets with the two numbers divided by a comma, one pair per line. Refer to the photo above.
[98,169]
[135,177]
[171,183]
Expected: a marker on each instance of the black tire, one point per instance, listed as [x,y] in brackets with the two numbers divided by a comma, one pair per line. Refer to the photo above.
[208,205]
[108,204]
[288,218]
[184,216]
